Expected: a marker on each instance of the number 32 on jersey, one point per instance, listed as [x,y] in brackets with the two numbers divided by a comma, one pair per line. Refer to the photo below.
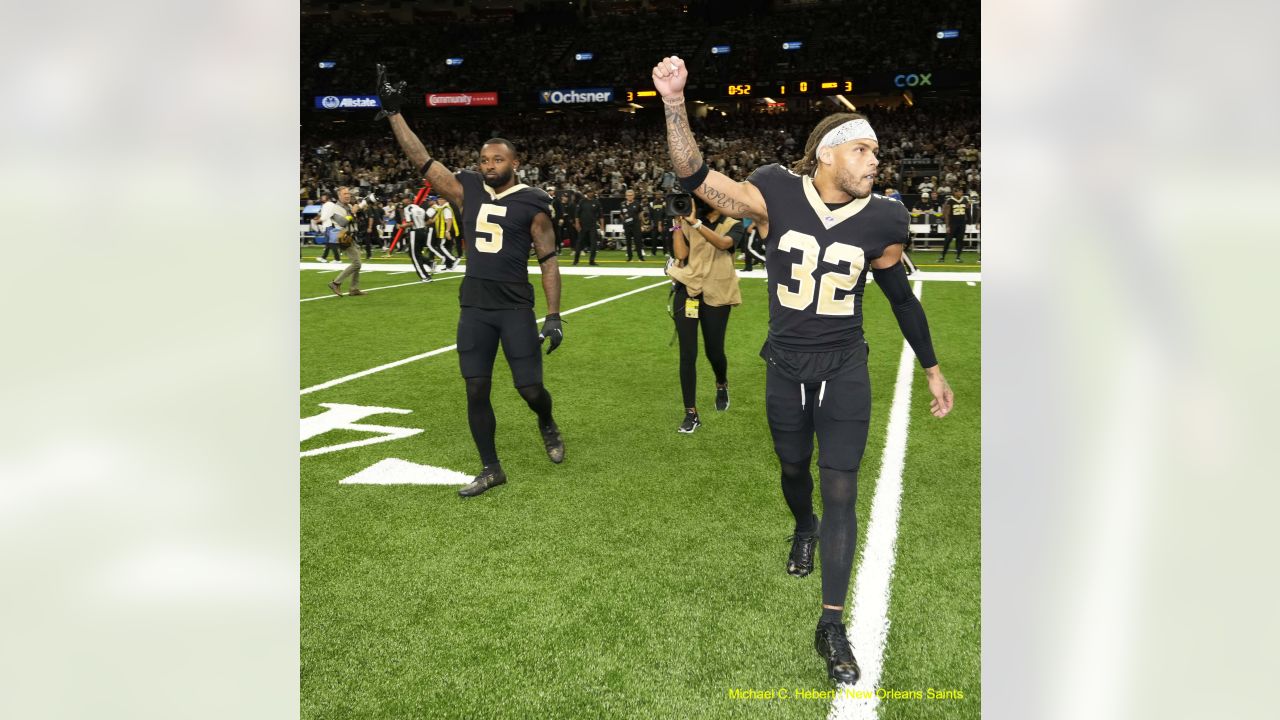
[488,233]
[802,273]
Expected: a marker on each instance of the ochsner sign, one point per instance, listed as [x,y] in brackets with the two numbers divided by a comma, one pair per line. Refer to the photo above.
[461,99]
[575,95]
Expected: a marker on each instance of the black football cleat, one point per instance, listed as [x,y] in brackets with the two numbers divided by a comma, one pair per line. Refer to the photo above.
[553,442]
[490,477]
[722,398]
[691,422]
[832,645]
[800,562]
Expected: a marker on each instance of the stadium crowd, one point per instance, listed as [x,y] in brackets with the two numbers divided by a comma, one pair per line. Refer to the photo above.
[926,151]
[538,47]
[927,148]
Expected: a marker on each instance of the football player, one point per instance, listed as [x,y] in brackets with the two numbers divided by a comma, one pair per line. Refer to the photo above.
[500,220]
[823,229]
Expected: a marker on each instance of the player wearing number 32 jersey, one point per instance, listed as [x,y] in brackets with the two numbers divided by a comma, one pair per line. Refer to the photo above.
[824,230]
[500,221]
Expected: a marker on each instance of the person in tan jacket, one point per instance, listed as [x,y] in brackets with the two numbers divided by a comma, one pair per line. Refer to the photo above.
[706,289]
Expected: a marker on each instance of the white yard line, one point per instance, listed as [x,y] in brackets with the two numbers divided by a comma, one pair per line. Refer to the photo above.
[439,351]
[874,580]
[384,287]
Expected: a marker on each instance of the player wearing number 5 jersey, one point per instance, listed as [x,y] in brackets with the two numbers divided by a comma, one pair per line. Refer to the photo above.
[500,220]
[824,229]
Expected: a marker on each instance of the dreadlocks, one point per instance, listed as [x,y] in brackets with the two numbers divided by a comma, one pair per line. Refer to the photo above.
[808,164]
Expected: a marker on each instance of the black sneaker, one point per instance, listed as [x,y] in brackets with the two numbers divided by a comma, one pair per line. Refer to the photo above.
[490,477]
[832,645]
[691,423]
[800,561]
[942,259]
[553,442]
[722,398]
[958,258]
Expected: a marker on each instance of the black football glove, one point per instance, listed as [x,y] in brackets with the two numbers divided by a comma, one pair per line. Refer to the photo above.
[552,328]
[390,97]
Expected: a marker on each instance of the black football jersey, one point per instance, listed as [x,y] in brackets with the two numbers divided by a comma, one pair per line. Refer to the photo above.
[817,258]
[497,228]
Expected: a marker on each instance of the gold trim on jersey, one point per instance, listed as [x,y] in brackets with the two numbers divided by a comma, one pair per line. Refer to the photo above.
[830,218]
[504,193]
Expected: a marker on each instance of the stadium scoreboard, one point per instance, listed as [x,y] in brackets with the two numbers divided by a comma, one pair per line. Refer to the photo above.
[786,88]
[793,88]
[741,90]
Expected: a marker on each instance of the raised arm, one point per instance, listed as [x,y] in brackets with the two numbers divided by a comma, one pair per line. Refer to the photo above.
[391,97]
[544,245]
[736,199]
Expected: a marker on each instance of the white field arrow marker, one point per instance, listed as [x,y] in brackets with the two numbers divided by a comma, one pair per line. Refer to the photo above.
[394,471]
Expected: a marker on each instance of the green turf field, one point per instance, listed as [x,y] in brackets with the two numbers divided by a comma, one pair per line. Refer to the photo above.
[642,578]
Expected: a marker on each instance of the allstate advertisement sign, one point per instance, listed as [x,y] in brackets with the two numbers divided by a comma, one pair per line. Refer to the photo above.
[347,102]
[571,96]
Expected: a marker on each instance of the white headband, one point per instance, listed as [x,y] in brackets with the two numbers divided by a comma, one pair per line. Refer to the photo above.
[843,133]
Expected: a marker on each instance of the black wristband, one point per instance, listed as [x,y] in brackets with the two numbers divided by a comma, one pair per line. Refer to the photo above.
[694,181]
[546,257]
[552,316]
[426,165]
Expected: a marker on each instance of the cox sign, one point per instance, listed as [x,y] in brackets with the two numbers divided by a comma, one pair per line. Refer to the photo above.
[575,95]
[913,80]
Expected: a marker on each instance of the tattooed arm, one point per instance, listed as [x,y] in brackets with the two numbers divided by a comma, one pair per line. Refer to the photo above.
[544,244]
[736,199]
[441,179]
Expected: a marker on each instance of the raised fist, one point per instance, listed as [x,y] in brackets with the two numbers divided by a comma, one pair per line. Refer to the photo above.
[669,77]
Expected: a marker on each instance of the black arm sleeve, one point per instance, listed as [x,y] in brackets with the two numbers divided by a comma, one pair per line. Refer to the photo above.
[907,308]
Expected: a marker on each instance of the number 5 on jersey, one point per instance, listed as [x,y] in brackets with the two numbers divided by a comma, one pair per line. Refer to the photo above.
[489,234]
[802,273]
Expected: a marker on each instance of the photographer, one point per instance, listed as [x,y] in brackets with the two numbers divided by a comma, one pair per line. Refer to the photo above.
[340,222]
[706,289]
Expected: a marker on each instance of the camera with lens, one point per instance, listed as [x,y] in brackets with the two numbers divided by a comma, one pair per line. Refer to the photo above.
[679,205]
